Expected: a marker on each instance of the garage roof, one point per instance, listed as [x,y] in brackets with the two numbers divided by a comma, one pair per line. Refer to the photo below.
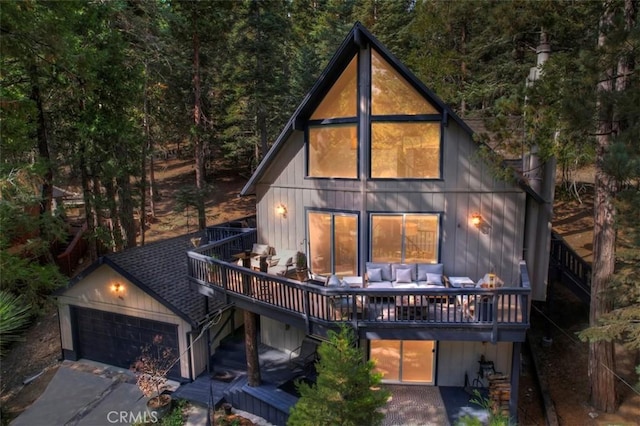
[160,270]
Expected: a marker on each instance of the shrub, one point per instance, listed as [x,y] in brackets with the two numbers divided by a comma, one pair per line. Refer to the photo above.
[14,318]
[347,391]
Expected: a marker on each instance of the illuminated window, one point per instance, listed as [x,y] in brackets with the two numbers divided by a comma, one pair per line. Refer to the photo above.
[341,100]
[391,94]
[333,243]
[405,150]
[333,147]
[405,238]
[332,151]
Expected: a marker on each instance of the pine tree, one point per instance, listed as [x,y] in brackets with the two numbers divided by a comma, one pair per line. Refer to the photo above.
[347,391]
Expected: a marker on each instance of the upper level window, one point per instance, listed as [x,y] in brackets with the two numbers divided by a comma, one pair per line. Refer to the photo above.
[341,100]
[405,139]
[391,94]
[333,151]
[333,129]
[405,150]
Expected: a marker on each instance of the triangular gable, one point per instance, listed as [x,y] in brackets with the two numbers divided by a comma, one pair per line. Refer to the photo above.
[106,261]
[402,79]
[322,92]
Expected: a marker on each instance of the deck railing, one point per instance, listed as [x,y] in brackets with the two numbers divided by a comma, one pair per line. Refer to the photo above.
[68,260]
[313,304]
[573,268]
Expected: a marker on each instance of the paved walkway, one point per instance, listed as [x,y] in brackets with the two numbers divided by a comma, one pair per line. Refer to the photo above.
[415,406]
[91,394]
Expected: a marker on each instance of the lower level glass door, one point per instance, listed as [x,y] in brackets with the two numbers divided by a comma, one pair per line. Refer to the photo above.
[404,361]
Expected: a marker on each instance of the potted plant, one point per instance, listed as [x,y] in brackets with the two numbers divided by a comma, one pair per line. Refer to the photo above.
[301,261]
[151,369]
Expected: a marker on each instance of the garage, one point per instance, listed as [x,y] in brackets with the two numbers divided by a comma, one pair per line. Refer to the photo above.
[118,339]
[119,303]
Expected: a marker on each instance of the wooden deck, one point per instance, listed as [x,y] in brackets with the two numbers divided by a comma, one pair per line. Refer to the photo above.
[500,314]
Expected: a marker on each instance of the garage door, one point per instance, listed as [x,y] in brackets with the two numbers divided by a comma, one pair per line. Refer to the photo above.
[118,339]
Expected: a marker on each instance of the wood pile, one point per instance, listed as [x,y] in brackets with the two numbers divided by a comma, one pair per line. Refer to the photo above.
[499,393]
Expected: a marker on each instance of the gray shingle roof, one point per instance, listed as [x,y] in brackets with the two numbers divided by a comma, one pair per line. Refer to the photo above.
[160,269]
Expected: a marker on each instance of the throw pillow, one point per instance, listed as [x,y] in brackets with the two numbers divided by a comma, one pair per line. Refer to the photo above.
[426,268]
[434,279]
[403,276]
[274,261]
[374,275]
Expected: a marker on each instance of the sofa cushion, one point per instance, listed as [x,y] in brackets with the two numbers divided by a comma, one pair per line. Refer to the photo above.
[403,275]
[410,266]
[381,284]
[429,268]
[412,284]
[374,275]
[385,267]
[434,279]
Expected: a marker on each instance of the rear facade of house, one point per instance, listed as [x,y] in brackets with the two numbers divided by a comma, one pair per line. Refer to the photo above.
[374,171]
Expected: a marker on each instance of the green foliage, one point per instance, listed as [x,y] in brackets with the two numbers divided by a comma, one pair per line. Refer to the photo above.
[33,281]
[495,419]
[177,416]
[14,318]
[622,323]
[346,392]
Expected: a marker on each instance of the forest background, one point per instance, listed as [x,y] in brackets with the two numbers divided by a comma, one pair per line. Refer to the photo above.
[92,93]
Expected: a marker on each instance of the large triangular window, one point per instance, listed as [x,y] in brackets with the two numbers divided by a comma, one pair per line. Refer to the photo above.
[333,129]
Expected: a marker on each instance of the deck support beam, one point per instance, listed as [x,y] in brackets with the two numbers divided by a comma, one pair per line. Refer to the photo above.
[515,380]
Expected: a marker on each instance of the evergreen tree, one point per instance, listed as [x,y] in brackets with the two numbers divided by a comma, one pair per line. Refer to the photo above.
[347,391]
[256,79]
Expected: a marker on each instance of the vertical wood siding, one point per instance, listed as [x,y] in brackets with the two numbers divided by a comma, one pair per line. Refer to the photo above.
[94,292]
[466,187]
[276,334]
[457,358]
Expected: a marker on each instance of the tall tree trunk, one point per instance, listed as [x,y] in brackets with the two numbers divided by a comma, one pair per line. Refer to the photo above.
[46,199]
[198,151]
[143,155]
[126,210]
[601,355]
[89,206]
[117,240]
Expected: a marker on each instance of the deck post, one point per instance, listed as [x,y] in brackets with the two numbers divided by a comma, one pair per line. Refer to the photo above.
[515,380]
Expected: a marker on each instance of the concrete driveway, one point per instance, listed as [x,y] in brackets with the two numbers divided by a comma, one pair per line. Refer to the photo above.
[77,397]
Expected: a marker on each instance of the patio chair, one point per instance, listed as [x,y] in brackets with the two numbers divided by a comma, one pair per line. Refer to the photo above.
[307,354]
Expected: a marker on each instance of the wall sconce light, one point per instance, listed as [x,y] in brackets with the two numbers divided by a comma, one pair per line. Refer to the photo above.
[478,221]
[281,210]
[117,289]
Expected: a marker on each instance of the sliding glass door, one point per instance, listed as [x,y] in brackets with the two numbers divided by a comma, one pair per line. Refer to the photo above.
[404,361]
[333,243]
[405,238]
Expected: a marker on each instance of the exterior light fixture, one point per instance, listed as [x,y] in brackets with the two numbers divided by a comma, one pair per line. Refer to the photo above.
[281,210]
[118,290]
[478,221]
